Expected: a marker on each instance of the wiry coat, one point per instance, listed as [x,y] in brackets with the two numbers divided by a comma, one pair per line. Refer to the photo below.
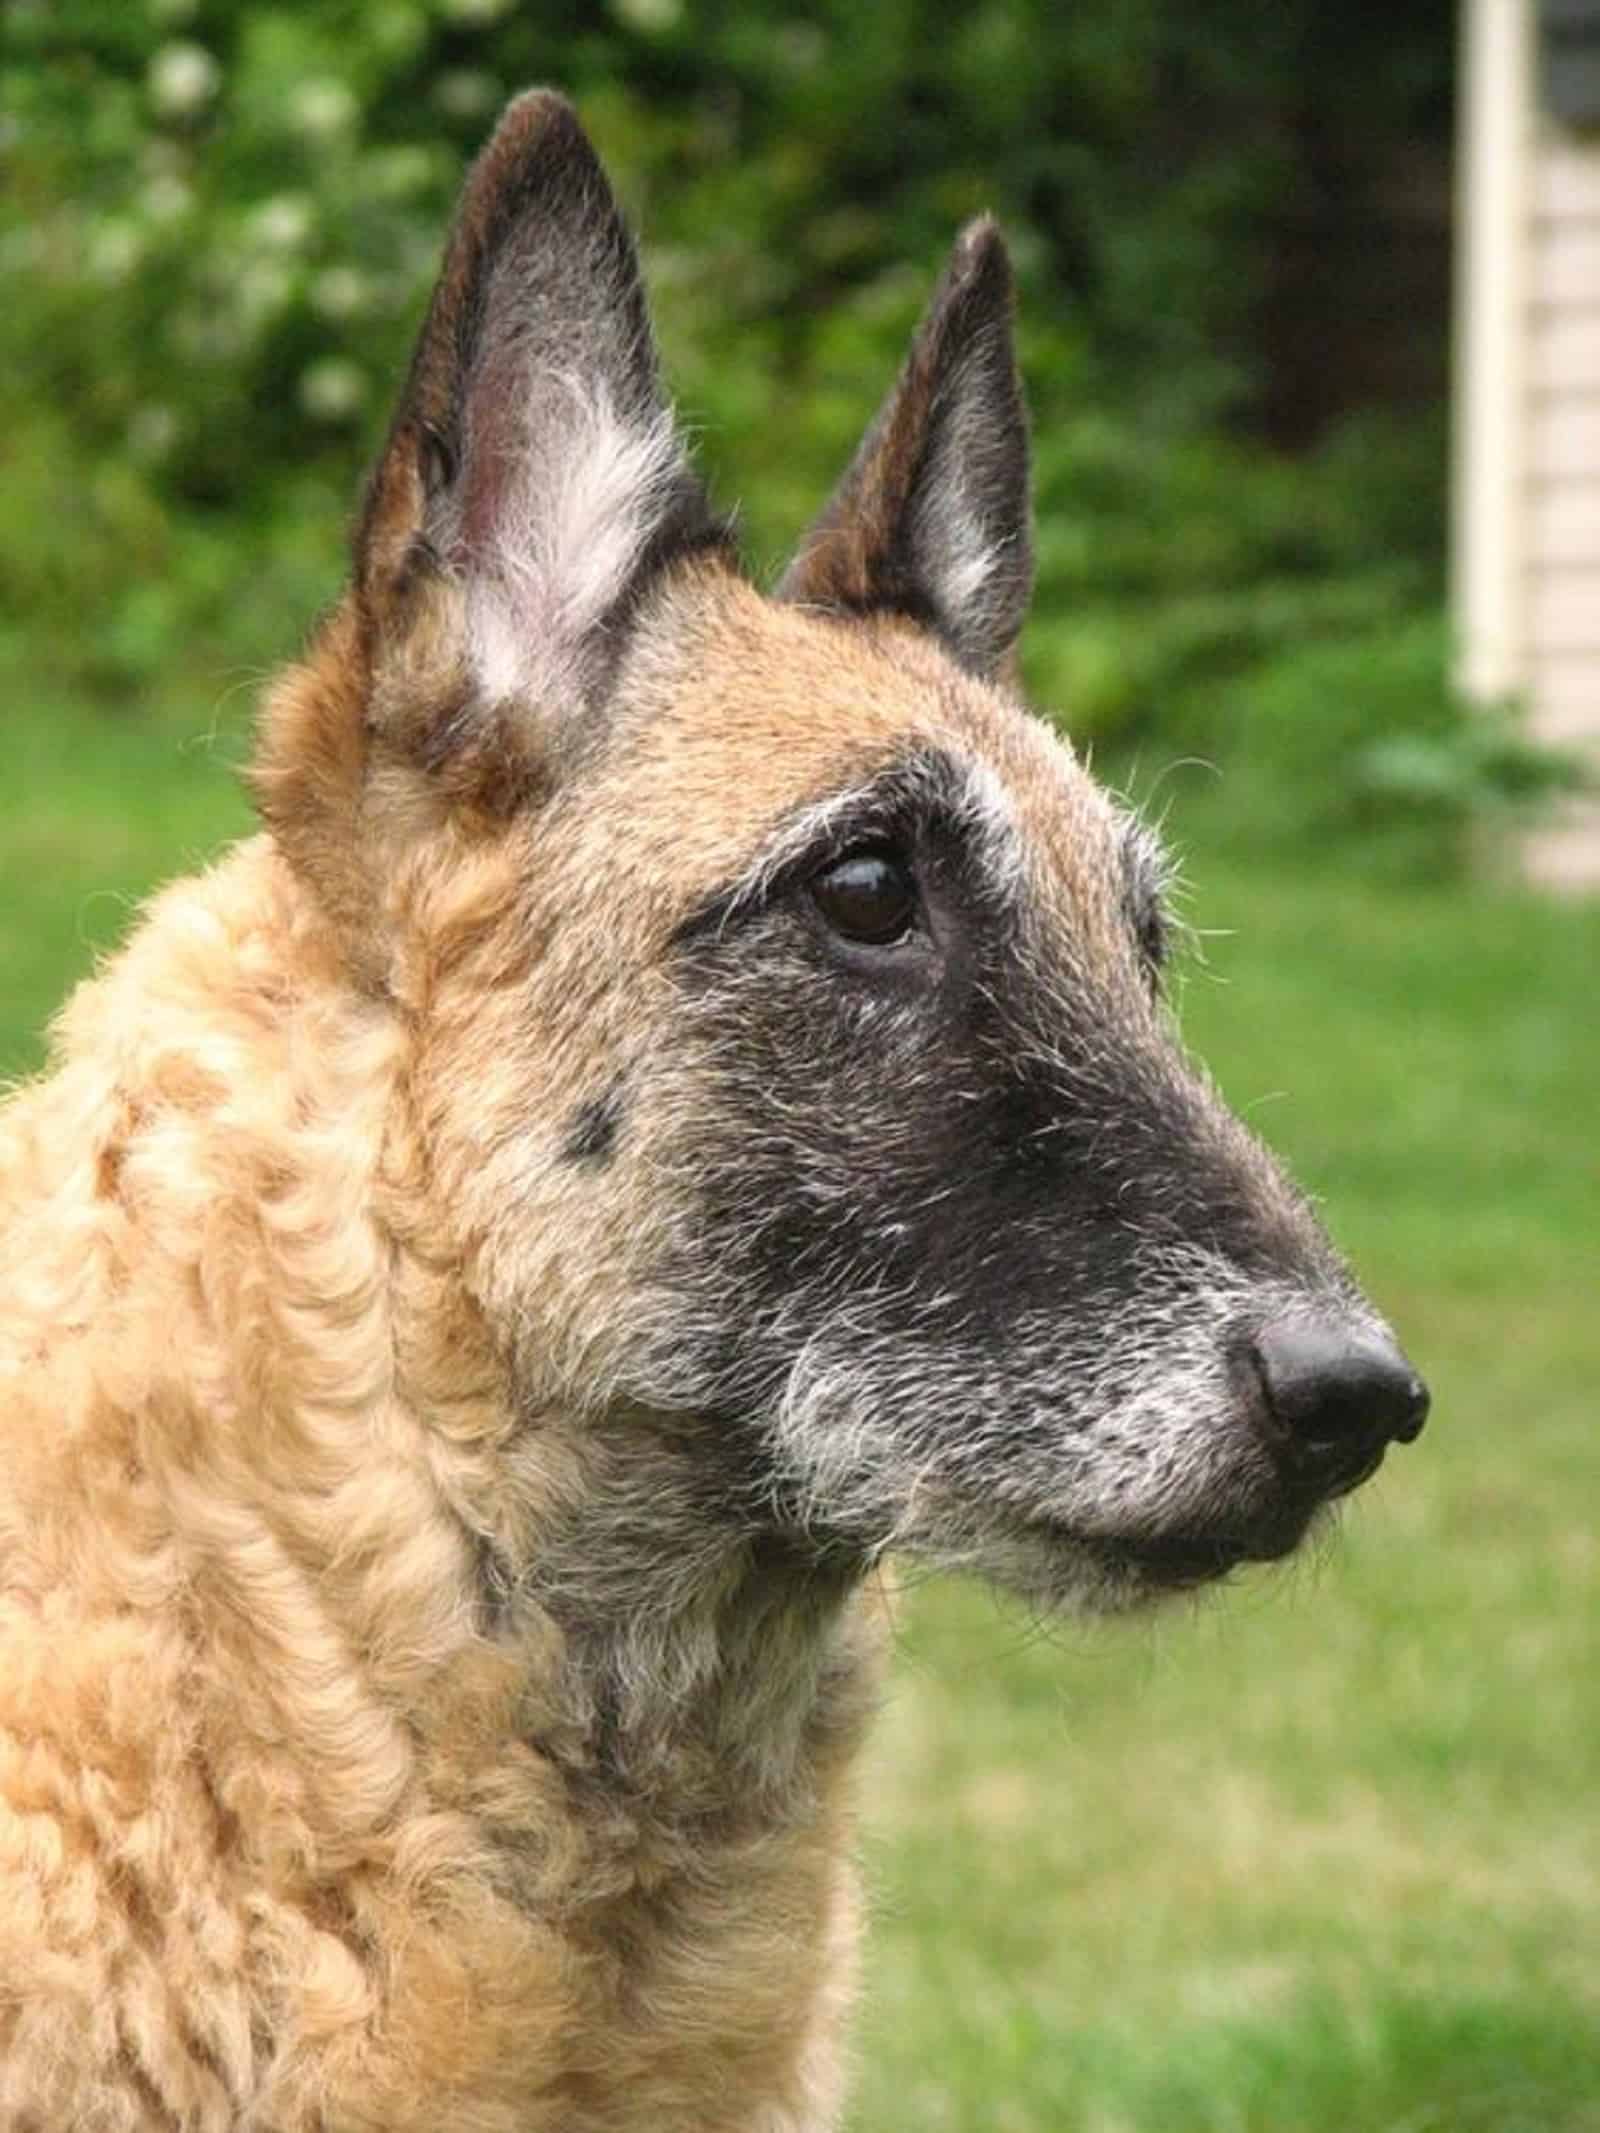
[496,1263]
[286,1838]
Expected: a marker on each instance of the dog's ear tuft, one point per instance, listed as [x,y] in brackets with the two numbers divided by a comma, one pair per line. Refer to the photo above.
[932,519]
[533,464]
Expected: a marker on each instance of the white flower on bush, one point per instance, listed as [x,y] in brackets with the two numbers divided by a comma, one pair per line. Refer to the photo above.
[322,109]
[283,223]
[115,250]
[261,289]
[152,432]
[650,16]
[397,31]
[166,198]
[182,79]
[464,93]
[396,173]
[162,157]
[333,390]
[341,292]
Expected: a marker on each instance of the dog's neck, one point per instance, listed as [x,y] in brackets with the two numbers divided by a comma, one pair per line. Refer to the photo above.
[702,1665]
[399,1575]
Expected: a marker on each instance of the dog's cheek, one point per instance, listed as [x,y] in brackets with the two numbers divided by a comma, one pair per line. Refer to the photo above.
[838,1157]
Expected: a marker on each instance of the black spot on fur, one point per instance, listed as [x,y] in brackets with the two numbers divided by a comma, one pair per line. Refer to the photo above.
[591,1134]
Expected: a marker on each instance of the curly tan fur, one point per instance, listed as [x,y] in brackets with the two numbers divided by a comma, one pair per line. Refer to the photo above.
[287,1839]
[675,1104]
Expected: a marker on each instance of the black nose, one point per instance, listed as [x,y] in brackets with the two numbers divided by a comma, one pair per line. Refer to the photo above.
[1330,1387]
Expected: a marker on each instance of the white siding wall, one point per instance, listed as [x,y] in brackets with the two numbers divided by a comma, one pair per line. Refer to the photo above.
[1563,463]
[1494,181]
[1527,518]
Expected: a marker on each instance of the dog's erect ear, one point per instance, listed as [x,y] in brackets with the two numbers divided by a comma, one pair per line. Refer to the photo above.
[931,520]
[533,463]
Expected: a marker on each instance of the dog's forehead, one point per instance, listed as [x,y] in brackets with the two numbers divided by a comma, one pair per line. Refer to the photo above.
[762,712]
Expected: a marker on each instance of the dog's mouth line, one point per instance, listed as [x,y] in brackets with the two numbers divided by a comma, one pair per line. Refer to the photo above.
[1179,1558]
[1354,1475]
[1174,1559]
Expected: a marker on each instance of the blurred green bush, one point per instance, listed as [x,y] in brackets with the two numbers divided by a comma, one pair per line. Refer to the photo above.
[220,220]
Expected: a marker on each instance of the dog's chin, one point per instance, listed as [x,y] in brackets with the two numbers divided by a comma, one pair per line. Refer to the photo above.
[1152,1565]
[1049,1563]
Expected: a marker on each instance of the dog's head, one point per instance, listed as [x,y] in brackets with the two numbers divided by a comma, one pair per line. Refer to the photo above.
[789,1048]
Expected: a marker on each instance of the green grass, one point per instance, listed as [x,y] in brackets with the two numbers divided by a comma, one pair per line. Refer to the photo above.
[1319,1855]
[1322,1852]
[97,809]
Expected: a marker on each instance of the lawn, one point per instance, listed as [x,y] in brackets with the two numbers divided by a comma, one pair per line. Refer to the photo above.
[1320,1854]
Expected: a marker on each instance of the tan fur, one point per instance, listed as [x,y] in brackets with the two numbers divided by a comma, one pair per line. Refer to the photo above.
[277,1837]
[397,1730]
[290,1836]
[276,1842]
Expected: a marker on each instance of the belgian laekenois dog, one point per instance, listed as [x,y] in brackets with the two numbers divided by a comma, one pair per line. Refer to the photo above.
[675,1103]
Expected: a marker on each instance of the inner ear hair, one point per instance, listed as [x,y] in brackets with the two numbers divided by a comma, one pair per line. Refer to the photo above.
[533,460]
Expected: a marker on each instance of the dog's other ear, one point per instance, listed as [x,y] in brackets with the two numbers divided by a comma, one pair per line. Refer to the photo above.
[931,520]
[533,466]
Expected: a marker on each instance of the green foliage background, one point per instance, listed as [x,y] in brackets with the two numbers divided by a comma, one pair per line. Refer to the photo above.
[220,220]
[1324,1858]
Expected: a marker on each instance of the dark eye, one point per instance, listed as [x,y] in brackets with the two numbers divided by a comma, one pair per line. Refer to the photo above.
[868,896]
